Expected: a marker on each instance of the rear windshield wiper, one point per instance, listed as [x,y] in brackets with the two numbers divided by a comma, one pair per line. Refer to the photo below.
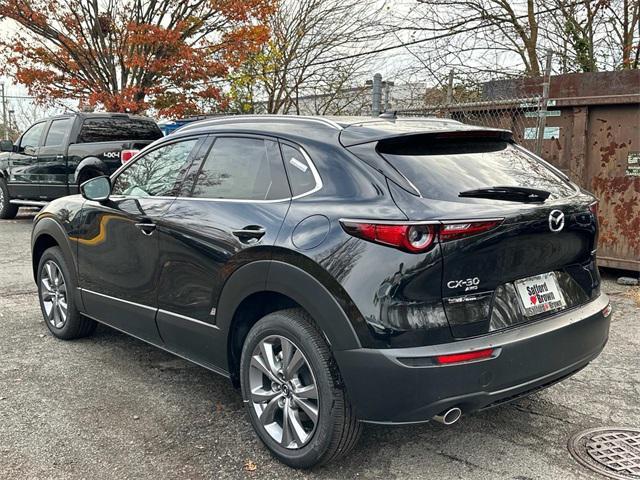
[513,194]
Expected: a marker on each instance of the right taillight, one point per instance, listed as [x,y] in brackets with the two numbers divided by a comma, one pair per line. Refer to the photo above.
[126,155]
[456,230]
[416,237]
[593,208]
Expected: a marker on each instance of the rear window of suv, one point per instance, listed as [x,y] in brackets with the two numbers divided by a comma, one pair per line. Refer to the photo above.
[441,169]
[118,129]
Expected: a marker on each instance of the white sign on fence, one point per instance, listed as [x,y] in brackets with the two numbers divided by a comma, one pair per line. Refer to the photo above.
[549,133]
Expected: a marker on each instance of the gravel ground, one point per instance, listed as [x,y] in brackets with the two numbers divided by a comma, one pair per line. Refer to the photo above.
[113,407]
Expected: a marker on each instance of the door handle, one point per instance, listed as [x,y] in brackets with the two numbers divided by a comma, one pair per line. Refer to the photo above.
[250,233]
[146,228]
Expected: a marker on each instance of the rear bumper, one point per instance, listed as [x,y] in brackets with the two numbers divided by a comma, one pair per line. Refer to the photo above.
[404,386]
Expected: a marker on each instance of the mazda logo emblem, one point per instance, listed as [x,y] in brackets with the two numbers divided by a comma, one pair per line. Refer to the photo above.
[556,220]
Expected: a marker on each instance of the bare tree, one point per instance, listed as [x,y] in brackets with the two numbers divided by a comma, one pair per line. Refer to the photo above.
[307,36]
[623,32]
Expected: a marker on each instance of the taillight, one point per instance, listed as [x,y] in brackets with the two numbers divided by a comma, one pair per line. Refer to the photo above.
[411,238]
[464,357]
[455,230]
[126,155]
[593,208]
[415,237]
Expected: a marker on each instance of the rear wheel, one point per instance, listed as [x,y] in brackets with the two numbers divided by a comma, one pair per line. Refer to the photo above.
[55,288]
[293,392]
[7,209]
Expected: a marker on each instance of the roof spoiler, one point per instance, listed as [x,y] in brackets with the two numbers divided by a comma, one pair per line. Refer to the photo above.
[456,133]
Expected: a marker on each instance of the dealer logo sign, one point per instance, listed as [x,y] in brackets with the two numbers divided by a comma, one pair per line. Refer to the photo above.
[556,221]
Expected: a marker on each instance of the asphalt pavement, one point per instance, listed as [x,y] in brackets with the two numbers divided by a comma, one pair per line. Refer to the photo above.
[110,406]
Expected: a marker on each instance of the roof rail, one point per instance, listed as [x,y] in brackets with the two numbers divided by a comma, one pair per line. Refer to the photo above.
[248,118]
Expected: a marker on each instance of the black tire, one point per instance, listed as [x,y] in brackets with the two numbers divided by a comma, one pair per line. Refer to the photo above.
[336,430]
[75,325]
[7,210]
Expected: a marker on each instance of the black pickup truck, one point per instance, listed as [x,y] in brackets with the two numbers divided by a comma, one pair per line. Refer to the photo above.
[55,155]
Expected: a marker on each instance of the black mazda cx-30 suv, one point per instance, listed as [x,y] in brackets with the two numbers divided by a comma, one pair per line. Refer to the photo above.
[337,271]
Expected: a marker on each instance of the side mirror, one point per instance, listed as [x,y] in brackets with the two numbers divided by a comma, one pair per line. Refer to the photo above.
[6,146]
[97,189]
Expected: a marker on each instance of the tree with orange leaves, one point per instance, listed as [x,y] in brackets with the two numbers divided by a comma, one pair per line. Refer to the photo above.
[131,55]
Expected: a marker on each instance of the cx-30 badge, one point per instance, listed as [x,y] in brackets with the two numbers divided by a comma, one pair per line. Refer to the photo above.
[556,220]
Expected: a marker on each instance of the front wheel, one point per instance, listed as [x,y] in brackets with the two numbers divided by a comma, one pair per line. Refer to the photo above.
[293,392]
[56,287]
[7,209]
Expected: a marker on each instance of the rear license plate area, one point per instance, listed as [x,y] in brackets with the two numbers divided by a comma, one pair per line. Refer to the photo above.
[540,294]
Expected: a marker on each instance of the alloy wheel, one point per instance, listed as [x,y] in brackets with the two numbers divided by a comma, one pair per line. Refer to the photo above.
[283,392]
[53,293]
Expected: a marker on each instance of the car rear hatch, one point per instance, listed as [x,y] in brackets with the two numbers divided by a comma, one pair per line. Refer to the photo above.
[517,238]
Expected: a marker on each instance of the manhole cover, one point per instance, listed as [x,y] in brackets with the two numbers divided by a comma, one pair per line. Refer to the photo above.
[614,452]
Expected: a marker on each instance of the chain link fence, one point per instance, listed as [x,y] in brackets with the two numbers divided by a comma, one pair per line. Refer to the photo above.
[520,115]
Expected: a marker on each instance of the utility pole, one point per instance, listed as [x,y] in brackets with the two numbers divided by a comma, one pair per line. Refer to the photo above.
[449,93]
[387,88]
[5,130]
[542,114]
[376,95]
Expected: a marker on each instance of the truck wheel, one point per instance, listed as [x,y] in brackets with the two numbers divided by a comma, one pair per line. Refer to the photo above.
[56,287]
[293,393]
[7,210]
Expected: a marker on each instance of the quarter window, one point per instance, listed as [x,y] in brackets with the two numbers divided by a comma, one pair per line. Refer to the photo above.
[57,132]
[31,137]
[300,173]
[157,173]
[242,169]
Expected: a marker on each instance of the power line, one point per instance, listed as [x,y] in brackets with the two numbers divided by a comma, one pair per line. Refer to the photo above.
[404,44]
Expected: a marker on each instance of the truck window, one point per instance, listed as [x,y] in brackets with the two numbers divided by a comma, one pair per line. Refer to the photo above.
[58,132]
[31,137]
[118,129]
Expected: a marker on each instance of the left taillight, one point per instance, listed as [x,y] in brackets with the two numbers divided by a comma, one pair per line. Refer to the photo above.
[416,237]
[411,238]
[126,155]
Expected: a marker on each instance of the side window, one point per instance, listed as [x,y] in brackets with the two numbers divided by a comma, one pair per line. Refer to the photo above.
[242,169]
[118,129]
[300,173]
[157,173]
[31,137]
[58,131]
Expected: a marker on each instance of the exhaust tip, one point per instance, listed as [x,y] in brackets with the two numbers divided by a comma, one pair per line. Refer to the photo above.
[449,417]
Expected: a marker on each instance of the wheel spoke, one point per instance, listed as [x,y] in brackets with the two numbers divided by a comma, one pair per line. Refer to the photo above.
[287,351]
[267,416]
[47,285]
[49,272]
[296,427]
[260,395]
[308,391]
[62,309]
[287,434]
[266,349]
[258,363]
[308,408]
[297,361]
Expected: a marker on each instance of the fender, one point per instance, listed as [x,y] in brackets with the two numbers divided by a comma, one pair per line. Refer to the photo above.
[93,162]
[295,283]
[316,299]
[46,224]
